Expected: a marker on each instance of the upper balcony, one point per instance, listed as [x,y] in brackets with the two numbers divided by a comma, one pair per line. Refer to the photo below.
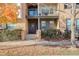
[48,9]
[47,12]
[43,10]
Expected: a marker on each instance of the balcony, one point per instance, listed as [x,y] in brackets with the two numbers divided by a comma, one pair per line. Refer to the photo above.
[48,12]
[43,13]
[48,9]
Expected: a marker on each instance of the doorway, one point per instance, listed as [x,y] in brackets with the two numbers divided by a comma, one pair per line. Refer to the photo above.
[32,26]
[48,24]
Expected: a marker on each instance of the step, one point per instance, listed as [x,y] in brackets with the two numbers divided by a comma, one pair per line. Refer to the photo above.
[30,36]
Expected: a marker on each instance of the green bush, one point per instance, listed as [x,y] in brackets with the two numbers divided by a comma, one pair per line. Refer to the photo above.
[10,35]
[67,34]
[51,34]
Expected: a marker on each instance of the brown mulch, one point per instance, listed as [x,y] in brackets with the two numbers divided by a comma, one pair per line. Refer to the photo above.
[36,50]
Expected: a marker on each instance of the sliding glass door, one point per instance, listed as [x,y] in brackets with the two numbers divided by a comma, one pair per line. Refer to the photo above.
[45,25]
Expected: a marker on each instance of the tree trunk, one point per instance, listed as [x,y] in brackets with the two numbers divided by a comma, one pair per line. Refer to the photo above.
[72,26]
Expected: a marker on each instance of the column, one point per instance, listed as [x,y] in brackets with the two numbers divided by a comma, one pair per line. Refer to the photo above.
[22,14]
[58,7]
[39,29]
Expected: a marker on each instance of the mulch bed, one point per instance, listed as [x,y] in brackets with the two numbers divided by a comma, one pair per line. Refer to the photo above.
[39,50]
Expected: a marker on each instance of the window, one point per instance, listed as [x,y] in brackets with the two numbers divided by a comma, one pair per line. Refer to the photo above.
[68,24]
[77,5]
[67,6]
[11,26]
[43,25]
[2,26]
[51,24]
[33,12]
[77,24]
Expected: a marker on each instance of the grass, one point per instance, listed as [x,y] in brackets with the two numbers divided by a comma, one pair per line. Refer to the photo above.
[38,50]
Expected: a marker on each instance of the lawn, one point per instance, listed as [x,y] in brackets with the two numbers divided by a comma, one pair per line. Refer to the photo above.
[39,50]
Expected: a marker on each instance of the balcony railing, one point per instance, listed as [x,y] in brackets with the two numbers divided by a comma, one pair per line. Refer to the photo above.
[47,12]
[42,12]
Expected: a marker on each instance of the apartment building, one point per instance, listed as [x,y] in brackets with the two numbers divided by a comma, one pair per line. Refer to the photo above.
[40,17]
[34,17]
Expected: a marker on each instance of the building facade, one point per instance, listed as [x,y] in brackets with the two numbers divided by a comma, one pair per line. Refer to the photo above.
[34,17]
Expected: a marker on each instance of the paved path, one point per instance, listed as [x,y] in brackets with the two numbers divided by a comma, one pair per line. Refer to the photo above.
[11,44]
[32,42]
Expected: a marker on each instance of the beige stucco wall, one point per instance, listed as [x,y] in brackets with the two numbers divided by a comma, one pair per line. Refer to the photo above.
[61,19]
[64,15]
[24,14]
[22,22]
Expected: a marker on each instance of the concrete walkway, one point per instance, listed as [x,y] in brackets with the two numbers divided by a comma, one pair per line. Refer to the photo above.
[14,44]
[33,42]
[11,44]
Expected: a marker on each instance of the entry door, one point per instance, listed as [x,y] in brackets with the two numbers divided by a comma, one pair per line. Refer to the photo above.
[32,28]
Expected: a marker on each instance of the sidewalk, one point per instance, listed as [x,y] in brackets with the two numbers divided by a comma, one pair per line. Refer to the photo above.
[32,42]
[12,44]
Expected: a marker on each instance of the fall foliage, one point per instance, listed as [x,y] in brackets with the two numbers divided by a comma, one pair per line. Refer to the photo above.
[8,13]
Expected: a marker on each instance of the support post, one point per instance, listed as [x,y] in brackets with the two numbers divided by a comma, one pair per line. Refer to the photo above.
[39,30]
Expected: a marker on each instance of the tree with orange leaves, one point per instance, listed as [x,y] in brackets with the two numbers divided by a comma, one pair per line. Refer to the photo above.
[8,13]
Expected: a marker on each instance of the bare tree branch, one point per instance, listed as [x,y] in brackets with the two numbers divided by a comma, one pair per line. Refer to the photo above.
[76,13]
[63,12]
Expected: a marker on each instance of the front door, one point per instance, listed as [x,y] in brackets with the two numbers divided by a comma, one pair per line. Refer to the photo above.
[33,25]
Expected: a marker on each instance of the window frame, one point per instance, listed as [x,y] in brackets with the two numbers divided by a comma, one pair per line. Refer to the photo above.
[67,7]
[33,12]
[77,5]
[67,25]
[76,23]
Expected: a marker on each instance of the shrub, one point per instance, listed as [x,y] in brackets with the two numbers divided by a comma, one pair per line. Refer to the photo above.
[10,35]
[51,34]
[67,34]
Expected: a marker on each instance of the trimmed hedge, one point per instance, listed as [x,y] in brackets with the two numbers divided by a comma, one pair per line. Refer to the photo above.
[10,35]
[55,34]
[51,34]
[67,34]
